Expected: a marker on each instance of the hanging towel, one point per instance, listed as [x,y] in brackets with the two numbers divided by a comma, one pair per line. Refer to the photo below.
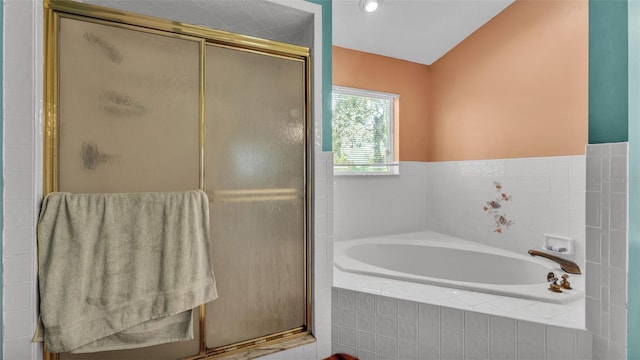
[115,269]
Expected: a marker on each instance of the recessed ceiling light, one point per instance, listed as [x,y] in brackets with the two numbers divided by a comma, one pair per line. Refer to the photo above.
[370,5]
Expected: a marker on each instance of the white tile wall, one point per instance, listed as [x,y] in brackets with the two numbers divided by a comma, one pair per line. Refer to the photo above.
[547,197]
[323,253]
[374,205]
[22,173]
[380,327]
[606,249]
[22,183]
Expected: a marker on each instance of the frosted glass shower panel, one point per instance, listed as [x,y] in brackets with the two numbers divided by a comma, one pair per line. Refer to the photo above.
[255,177]
[128,120]
[129,109]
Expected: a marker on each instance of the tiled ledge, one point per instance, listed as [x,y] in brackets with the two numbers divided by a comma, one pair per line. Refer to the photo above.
[570,315]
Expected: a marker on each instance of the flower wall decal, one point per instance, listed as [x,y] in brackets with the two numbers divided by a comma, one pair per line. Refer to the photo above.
[492,207]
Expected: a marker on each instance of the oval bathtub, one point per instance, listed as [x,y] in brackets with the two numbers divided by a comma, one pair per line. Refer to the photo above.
[438,259]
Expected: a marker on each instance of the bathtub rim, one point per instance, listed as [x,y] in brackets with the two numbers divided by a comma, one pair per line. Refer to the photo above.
[536,292]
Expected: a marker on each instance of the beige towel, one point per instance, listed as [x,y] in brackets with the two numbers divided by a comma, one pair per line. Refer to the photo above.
[109,263]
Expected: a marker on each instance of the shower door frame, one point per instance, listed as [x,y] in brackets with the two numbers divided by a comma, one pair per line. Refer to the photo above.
[55,9]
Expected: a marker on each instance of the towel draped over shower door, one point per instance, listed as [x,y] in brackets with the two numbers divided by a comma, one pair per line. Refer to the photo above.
[121,271]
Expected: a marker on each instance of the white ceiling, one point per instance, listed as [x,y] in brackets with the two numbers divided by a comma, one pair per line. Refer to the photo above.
[416,30]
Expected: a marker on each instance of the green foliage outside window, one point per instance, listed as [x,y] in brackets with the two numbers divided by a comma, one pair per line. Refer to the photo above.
[361,129]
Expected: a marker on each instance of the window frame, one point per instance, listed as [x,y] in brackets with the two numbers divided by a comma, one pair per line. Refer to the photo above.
[393,166]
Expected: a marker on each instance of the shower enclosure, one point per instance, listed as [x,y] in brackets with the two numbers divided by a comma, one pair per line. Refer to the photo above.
[138,104]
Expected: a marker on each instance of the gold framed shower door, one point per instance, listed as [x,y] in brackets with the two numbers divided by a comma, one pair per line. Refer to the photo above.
[150,126]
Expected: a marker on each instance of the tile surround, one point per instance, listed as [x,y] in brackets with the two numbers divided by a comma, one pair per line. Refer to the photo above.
[401,208]
[410,330]
[551,196]
[606,249]
[601,197]
[547,198]
[571,315]
[22,152]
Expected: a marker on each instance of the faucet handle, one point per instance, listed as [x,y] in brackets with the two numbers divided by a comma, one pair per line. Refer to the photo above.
[565,283]
[551,277]
[553,282]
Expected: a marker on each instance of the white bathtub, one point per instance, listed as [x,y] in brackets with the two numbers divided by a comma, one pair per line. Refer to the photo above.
[438,259]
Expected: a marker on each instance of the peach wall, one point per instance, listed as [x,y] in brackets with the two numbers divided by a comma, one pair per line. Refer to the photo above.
[517,87]
[380,73]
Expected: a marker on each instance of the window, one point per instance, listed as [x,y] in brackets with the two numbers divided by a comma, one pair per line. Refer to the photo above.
[364,129]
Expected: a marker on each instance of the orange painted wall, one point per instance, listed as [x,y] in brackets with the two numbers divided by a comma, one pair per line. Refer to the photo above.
[517,87]
[380,73]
